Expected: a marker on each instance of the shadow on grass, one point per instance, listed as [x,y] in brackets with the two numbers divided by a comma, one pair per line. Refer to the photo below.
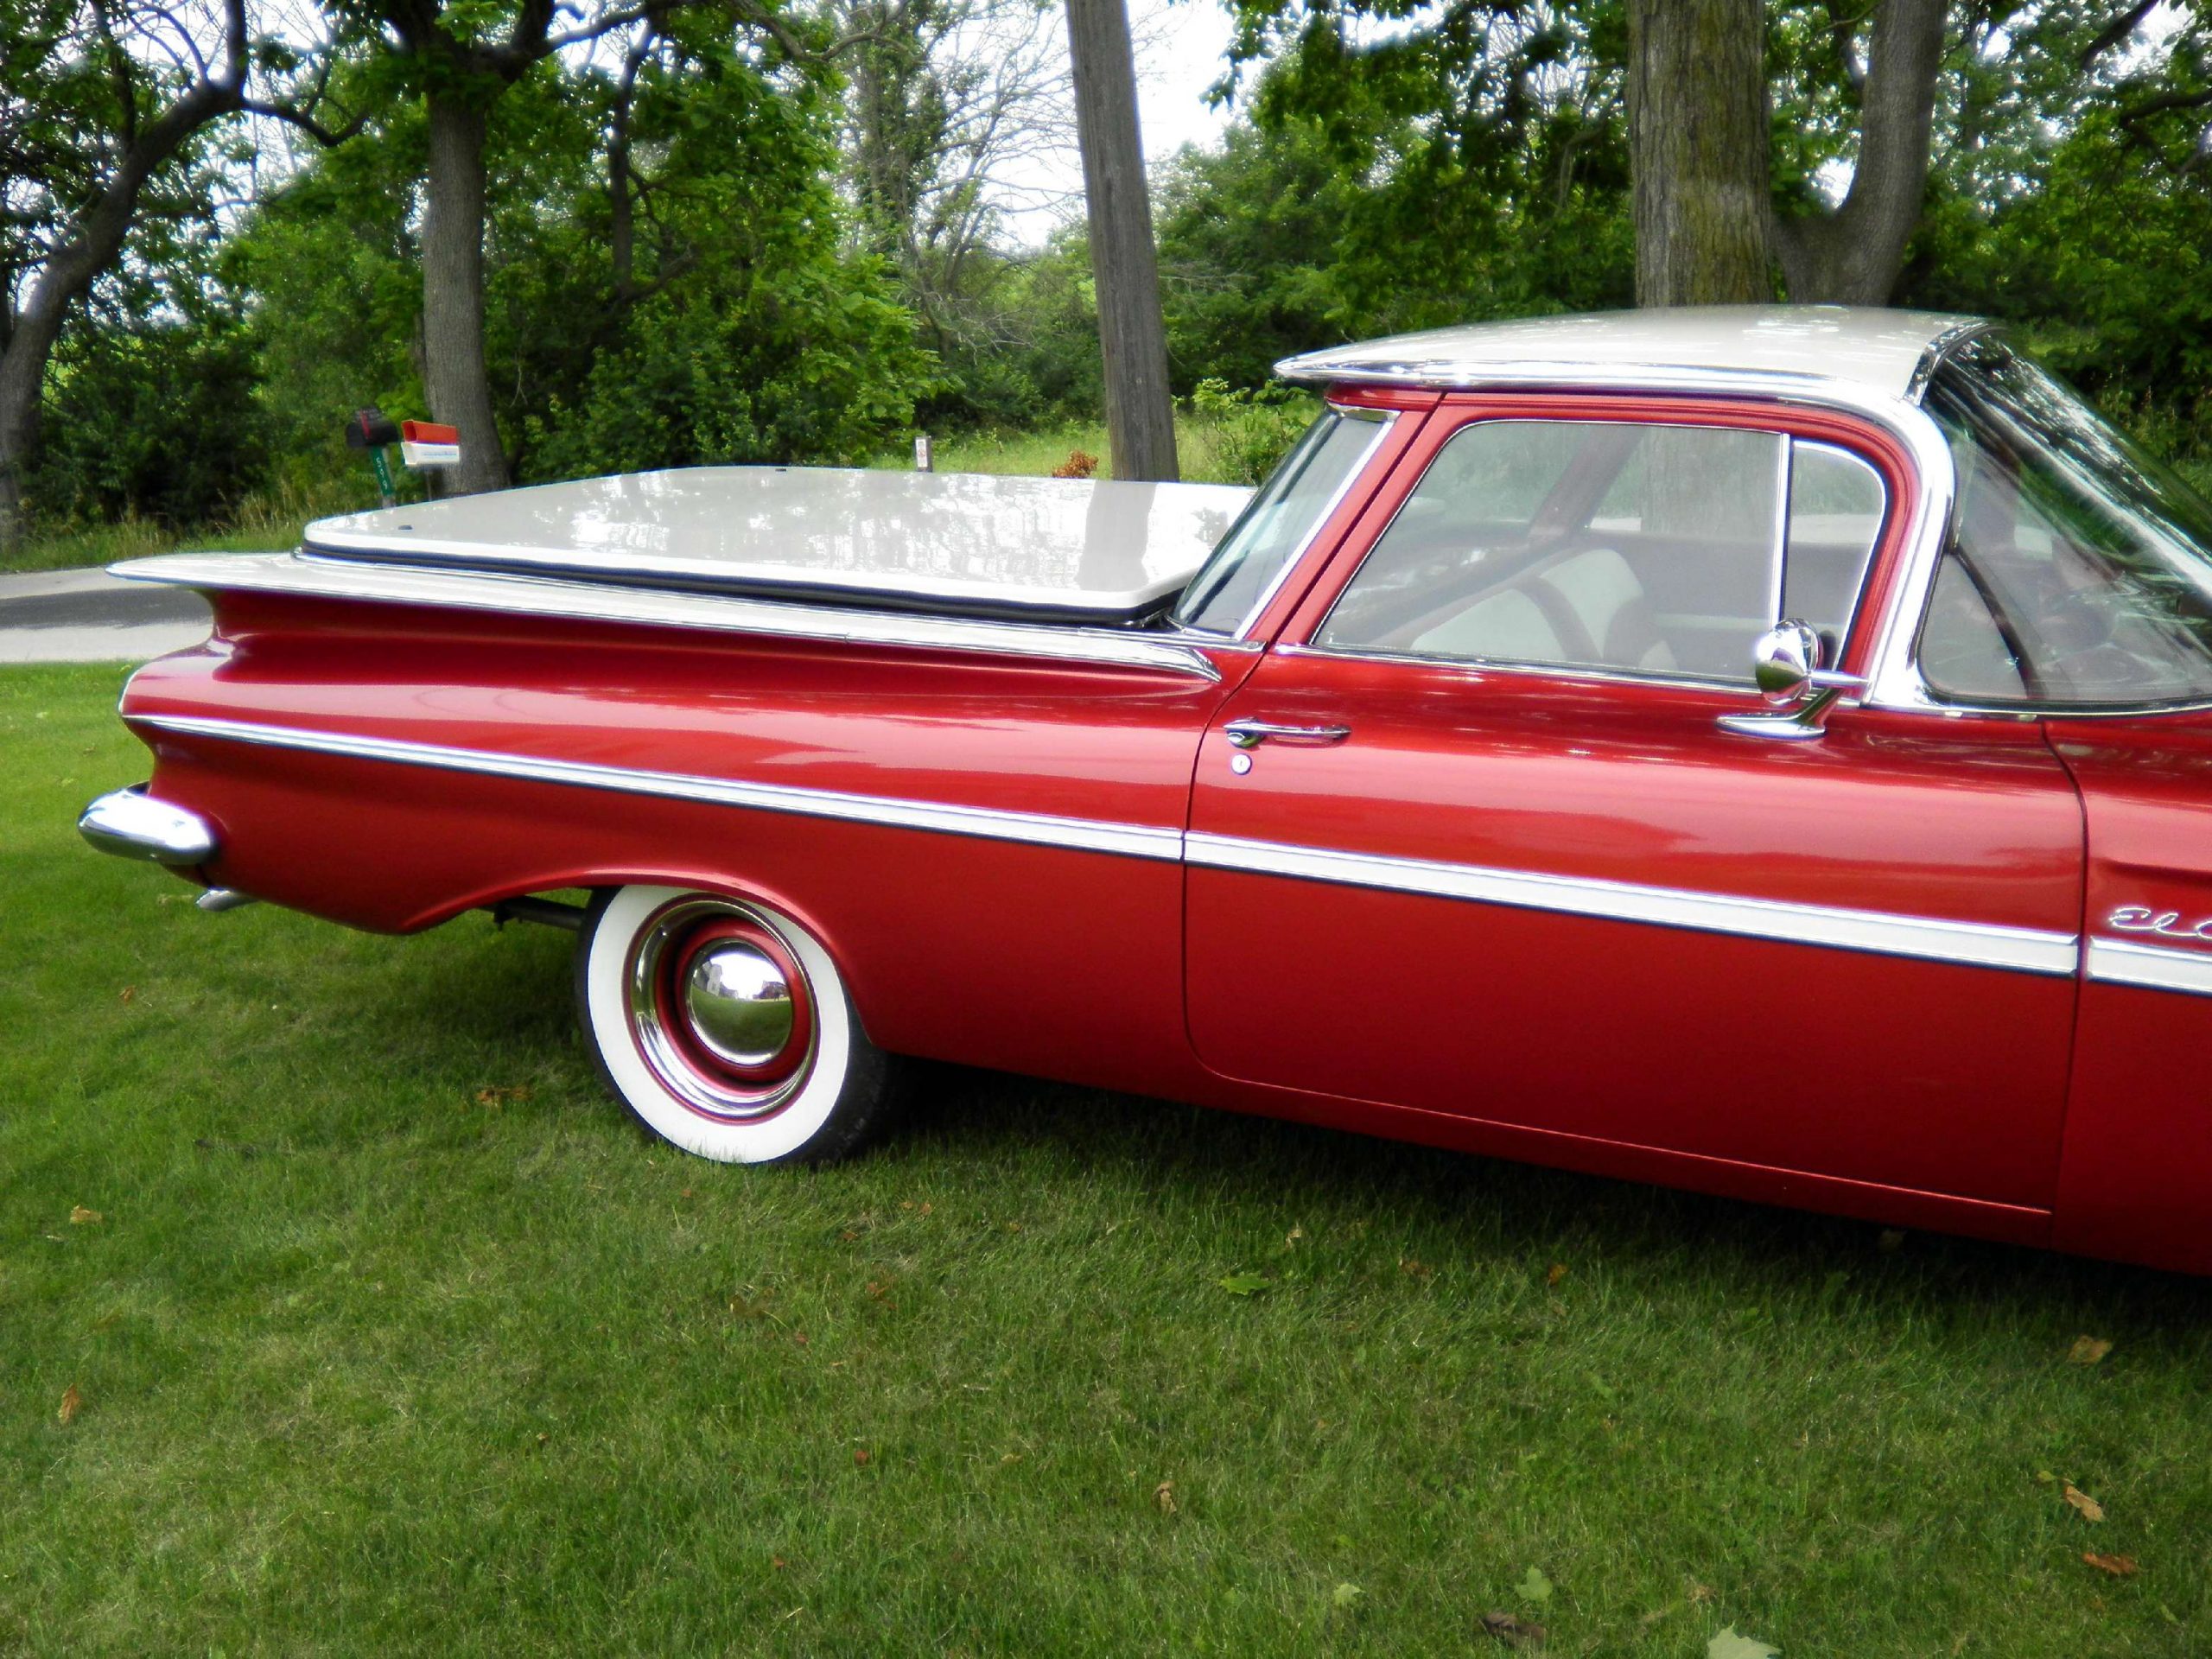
[1534,1212]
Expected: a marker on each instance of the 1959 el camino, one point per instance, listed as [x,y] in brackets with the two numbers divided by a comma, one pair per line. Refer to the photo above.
[1767,751]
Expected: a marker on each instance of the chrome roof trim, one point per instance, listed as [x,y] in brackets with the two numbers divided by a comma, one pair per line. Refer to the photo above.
[2159,967]
[1873,349]
[1979,945]
[305,574]
[1443,374]
[1085,835]
[1939,348]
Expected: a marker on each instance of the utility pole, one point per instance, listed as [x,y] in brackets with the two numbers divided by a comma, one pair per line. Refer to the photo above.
[1124,262]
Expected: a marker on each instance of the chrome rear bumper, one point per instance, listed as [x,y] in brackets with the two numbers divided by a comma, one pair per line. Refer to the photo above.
[131,823]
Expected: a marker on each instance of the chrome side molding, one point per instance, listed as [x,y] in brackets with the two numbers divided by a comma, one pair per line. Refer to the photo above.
[131,824]
[317,577]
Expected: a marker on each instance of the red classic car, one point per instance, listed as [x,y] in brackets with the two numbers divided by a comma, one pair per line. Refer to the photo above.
[1765,750]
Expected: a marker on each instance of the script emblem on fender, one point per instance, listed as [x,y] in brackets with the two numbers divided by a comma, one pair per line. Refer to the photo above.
[2167,923]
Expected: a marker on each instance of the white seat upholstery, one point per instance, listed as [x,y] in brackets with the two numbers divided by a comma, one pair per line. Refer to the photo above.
[1608,600]
[1506,627]
[1587,610]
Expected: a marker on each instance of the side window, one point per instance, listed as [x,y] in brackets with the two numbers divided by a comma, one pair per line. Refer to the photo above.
[1656,550]
[2090,569]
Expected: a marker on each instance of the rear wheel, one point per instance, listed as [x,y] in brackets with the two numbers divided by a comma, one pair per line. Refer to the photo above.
[724,1025]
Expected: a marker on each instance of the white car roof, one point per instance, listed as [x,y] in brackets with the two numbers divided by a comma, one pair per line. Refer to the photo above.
[1868,348]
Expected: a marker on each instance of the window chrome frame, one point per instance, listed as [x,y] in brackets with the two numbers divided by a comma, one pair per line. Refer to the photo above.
[1385,421]
[1475,667]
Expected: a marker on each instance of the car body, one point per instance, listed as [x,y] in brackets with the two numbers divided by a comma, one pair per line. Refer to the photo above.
[1763,750]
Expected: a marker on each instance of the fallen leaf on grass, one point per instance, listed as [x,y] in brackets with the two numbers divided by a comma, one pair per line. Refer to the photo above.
[78,1215]
[861,1457]
[1558,1271]
[1347,1596]
[1243,1284]
[73,1402]
[1164,1495]
[1513,1632]
[2090,1509]
[2087,1351]
[1700,1594]
[1729,1645]
[2120,1567]
[493,1096]
[129,992]
[1535,1586]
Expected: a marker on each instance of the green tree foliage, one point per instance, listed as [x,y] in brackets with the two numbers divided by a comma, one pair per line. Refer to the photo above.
[738,327]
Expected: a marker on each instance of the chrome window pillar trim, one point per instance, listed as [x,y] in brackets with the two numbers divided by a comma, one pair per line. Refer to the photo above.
[1979,944]
[1086,835]
[1385,421]
[308,576]
[2159,968]
[1784,470]
[1892,680]
[1932,355]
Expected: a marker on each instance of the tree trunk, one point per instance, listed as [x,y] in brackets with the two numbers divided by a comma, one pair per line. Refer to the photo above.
[455,376]
[1124,263]
[1698,150]
[1854,255]
[94,241]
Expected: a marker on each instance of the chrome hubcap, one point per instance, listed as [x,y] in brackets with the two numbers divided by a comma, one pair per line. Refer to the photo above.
[719,1008]
[739,1003]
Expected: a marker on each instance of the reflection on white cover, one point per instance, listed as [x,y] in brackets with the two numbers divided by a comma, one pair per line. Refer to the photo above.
[1037,541]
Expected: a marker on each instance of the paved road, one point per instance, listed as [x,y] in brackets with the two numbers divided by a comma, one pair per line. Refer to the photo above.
[88,616]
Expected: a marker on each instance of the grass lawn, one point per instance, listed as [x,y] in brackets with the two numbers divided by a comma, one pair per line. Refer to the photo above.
[392,1334]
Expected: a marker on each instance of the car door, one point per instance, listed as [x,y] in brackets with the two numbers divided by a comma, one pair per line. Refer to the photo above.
[1473,839]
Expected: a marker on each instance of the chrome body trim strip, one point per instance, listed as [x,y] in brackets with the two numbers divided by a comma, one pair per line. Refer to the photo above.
[2123,962]
[305,574]
[1130,840]
[1979,944]
[1474,669]
[131,824]
[1972,943]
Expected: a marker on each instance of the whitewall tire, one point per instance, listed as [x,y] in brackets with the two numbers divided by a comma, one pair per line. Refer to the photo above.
[724,1025]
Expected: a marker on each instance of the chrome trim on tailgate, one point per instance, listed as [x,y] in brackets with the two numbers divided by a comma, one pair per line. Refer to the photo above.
[1130,840]
[2122,962]
[1979,945]
[587,601]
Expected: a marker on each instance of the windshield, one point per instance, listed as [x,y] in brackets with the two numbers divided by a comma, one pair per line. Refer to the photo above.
[2078,570]
[1281,519]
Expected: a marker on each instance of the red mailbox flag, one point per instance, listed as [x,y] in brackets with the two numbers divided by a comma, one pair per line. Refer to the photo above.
[426,443]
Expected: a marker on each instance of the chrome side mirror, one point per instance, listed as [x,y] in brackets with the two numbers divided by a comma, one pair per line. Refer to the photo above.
[1786,668]
[1785,659]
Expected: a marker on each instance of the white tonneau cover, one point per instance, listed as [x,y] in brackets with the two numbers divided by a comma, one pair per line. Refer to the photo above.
[956,543]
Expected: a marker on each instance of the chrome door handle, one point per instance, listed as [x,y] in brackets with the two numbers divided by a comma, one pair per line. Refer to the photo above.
[1250,734]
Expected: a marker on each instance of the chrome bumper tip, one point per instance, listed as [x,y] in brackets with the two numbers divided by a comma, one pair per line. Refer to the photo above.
[131,824]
